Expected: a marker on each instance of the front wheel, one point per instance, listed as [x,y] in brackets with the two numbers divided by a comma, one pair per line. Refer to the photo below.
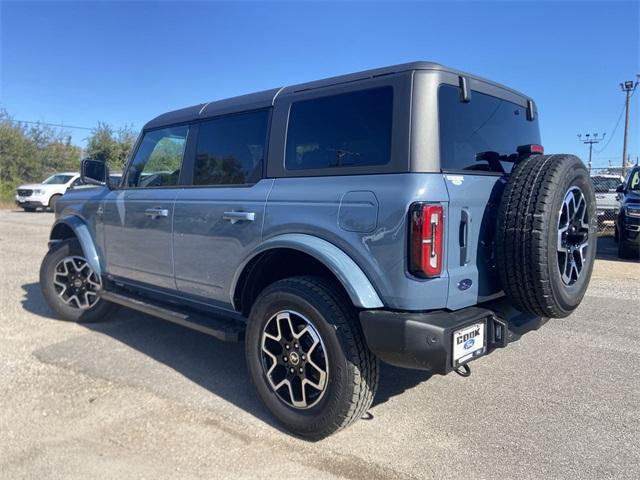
[53,201]
[307,356]
[70,286]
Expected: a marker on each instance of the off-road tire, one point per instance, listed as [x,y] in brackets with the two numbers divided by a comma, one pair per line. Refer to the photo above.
[64,311]
[527,234]
[352,367]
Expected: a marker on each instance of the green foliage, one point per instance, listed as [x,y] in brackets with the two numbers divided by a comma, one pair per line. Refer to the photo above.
[166,156]
[30,154]
[110,146]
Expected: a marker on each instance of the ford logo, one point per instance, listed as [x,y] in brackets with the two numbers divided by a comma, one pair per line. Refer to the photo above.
[464,284]
[468,344]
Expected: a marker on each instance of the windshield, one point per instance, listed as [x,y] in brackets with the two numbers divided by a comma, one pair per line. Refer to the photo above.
[57,179]
[634,181]
[479,134]
[605,184]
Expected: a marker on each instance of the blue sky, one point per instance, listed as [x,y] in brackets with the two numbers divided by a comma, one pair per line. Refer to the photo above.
[125,62]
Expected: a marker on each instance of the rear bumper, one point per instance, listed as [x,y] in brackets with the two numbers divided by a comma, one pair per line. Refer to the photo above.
[424,340]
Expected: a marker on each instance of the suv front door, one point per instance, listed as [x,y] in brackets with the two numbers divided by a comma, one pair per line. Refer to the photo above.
[138,216]
[218,219]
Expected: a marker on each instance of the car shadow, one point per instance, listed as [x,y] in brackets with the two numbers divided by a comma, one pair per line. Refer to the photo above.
[608,250]
[217,366]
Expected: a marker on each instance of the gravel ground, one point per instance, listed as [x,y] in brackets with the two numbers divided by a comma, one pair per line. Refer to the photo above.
[135,397]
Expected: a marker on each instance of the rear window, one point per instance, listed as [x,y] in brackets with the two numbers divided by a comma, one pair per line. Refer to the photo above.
[473,134]
[347,130]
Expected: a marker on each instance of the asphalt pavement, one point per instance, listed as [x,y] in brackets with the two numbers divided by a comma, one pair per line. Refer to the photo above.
[136,397]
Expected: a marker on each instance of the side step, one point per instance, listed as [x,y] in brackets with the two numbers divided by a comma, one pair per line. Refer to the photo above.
[225,329]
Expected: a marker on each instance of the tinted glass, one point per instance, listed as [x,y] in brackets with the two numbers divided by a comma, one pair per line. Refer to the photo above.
[231,149]
[158,159]
[352,129]
[471,134]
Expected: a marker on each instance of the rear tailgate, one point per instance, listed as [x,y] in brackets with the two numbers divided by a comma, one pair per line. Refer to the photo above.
[471,230]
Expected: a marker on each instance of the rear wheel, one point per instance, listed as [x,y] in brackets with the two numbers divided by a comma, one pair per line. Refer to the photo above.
[546,242]
[307,356]
[70,286]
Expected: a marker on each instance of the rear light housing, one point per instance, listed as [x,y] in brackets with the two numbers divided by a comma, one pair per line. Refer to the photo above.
[530,149]
[426,247]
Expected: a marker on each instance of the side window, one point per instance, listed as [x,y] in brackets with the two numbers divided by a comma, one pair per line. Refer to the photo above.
[230,150]
[346,130]
[634,180]
[158,159]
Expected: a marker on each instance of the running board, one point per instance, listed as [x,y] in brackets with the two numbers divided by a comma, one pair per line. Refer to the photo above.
[225,329]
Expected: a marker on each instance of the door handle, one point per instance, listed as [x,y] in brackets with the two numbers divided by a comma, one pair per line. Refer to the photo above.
[465,220]
[156,212]
[235,217]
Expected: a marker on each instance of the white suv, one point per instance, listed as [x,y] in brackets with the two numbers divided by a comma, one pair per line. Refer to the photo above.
[46,194]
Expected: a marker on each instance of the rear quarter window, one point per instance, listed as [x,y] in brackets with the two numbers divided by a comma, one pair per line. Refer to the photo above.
[470,131]
[346,130]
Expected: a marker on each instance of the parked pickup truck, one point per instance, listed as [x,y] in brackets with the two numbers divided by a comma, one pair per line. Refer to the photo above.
[406,214]
[607,203]
[627,228]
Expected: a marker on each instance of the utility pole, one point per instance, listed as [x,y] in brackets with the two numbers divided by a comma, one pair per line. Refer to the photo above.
[628,87]
[590,140]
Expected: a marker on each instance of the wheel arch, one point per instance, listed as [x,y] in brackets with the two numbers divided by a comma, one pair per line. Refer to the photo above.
[70,227]
[304,254]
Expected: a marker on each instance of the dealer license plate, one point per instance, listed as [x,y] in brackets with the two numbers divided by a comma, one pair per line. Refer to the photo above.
[469,343]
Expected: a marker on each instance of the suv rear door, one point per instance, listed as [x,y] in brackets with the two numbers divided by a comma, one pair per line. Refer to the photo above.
[472,136]
[218,218]
[137,217]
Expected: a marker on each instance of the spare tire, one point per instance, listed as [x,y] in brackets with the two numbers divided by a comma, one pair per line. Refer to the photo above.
[546,235]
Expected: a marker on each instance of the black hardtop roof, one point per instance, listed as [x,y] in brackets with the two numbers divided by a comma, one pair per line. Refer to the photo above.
[266,98]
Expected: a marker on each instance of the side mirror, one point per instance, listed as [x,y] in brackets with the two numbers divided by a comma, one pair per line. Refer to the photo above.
[620,188]
[94,172]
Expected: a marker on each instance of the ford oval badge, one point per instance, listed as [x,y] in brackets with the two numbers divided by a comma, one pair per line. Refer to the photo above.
[469,343]
[464,284]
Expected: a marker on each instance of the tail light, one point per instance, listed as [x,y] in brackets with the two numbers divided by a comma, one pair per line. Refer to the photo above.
[425,240]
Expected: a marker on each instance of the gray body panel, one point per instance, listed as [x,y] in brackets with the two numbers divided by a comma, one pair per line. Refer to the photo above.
[208,249]
[312,206]
[138,246]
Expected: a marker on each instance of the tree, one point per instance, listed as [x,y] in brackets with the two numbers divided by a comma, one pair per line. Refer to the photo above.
[30,154]
[109,146]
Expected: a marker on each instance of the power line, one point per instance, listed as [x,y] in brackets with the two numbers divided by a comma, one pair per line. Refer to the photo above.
[61,125]
[598,152]
[590,140]
[628,87]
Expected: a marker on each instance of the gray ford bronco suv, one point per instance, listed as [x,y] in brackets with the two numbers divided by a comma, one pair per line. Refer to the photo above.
[406,214]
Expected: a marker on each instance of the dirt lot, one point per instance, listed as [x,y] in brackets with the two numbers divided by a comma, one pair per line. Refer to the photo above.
[134,397]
